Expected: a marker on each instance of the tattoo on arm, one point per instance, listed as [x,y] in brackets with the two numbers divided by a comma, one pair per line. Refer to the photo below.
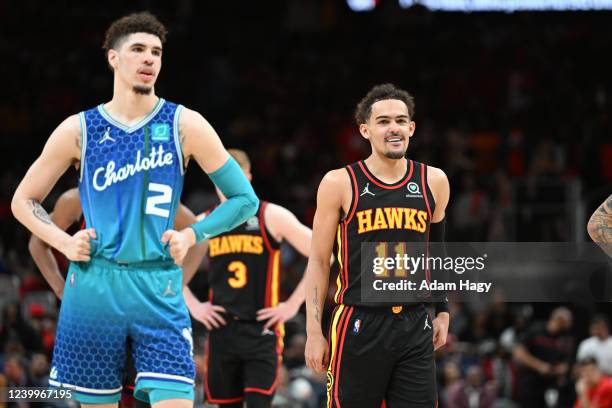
[600,225]
[315,302]
[39,212]
[606,206]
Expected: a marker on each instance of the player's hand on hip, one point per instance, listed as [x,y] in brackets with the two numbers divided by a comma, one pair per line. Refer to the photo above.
[78,247]
[277,314]
[208,314]
[179,243]
[440,329]
[317,353]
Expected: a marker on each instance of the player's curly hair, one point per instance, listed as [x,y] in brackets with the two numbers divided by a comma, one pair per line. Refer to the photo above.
[142,22]
[381,93]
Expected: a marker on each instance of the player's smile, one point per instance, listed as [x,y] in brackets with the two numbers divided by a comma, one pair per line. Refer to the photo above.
[395,141]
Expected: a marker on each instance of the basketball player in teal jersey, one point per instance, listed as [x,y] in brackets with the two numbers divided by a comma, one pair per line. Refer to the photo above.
[125,280]
[66,213]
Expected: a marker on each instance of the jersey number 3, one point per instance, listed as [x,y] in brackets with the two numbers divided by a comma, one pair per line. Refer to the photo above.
[239,270]
[153,202]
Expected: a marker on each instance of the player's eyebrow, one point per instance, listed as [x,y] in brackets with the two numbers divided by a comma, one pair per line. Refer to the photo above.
[402,116]
[137,44]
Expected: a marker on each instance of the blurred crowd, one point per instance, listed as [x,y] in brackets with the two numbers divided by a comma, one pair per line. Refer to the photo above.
[514,107]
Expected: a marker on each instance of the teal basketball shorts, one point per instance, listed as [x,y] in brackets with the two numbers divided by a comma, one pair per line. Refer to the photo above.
[104,303]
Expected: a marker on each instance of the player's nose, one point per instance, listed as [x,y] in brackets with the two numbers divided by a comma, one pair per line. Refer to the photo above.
[394,128]
[149,58]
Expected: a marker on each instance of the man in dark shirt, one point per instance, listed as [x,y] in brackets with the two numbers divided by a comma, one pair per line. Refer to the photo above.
[544,353]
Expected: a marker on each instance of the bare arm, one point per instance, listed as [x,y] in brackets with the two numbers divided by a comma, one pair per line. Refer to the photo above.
[440,188]
[285,226]
[327,216]
[61,150]
[184,218]
[600,226]
[204,312]
[523,356]
[66,212]
[331,198]
[201,142]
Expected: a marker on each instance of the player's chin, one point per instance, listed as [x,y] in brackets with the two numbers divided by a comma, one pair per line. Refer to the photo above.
[395,153]
[142,89]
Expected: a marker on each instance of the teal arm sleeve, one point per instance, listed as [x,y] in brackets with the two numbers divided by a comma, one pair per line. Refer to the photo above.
[241,202]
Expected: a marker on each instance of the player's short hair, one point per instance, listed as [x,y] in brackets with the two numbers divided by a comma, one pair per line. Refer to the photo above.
[381,93]
[241,157]
[142,22]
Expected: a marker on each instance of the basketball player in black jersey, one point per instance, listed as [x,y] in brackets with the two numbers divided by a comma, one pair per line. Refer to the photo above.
[243,312]
[376,355]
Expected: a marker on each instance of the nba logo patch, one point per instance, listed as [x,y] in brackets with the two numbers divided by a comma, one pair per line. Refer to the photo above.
[72,280]
[357,326]
[160,132]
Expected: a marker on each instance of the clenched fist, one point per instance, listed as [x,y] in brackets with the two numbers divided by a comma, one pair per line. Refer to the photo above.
[77,247]
[179,243]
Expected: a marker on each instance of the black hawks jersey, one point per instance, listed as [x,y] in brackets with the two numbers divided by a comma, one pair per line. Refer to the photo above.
[384,213]
[244,266]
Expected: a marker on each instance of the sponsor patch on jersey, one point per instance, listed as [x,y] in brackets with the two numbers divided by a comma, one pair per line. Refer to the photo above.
[252,224]
[160,132]
[413,190]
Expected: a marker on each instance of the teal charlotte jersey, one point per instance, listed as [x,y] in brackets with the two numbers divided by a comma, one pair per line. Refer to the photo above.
[131,181]
[130,184]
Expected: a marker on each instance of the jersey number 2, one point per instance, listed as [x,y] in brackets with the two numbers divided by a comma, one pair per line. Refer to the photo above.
[239,270]
[154,201]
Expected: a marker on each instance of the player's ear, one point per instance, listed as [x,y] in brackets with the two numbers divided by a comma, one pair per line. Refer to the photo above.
[112,57]
[411,128]
[365,131]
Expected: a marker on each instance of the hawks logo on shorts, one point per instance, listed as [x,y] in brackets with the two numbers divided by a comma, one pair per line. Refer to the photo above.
[330,380]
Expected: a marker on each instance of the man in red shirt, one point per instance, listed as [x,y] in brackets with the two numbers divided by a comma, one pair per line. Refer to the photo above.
[594,390]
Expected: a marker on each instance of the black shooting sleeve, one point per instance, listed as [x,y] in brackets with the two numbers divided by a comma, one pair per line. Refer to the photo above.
[438,249]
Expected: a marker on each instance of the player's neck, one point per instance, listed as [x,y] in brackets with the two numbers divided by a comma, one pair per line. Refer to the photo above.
[129,107]
[385,169]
